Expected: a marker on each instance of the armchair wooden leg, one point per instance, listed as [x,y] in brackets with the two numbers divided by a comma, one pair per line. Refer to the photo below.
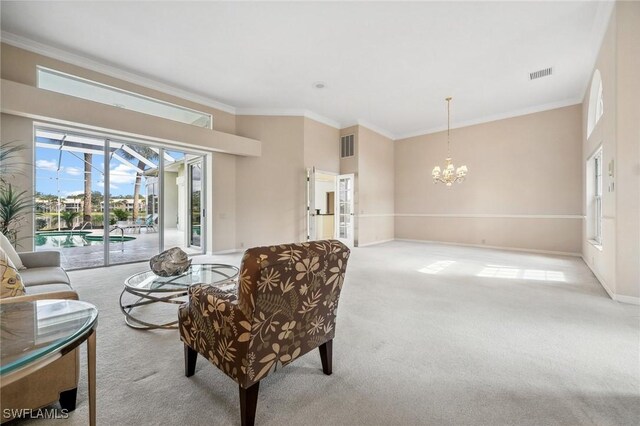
[326,356]
[248,403]
[68,399]
[190,357]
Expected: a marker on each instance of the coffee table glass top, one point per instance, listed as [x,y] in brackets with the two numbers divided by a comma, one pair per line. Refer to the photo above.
[217,274]
[31,331]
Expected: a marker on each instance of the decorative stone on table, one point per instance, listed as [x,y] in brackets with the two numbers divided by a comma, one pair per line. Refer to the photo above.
[170,262]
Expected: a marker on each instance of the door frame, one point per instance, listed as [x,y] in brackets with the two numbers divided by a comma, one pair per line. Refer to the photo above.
[311,173]
[350,242]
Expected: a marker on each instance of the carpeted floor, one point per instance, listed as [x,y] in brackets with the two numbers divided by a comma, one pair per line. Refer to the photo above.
[427,334]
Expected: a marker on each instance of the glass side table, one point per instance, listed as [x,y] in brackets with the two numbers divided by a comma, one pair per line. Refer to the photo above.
[149,288]
[34,334]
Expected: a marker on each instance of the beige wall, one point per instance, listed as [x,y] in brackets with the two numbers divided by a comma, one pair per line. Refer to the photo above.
[321,146]
[523,172]
[223,195]
[27,104]
[19,65]
[375,187]
[617,262]
[270,200]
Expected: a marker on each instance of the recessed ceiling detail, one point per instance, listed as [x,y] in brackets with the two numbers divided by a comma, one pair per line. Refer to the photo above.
[387,62]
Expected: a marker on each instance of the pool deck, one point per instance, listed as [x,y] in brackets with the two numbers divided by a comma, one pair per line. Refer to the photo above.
[145,245]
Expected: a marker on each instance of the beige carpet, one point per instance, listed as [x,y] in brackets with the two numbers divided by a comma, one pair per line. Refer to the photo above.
[427,334]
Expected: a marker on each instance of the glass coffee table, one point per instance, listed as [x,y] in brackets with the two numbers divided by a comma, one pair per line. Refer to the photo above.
[149,288]
[36,333]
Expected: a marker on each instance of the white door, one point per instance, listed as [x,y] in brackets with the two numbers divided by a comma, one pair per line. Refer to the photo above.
[344,209]
[311,204]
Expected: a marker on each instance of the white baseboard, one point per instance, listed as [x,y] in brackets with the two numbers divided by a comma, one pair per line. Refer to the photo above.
[601,280]
[627,299]
[558,253]
[617,297]
[375,242]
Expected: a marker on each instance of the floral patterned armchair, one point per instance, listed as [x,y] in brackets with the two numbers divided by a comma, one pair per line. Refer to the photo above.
[285,307]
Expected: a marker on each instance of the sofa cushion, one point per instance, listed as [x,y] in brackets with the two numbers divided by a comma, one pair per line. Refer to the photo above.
[47,275]
[11,283]
[6,245]
[49,288]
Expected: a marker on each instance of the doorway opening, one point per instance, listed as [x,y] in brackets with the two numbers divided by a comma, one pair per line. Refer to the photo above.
[330,203]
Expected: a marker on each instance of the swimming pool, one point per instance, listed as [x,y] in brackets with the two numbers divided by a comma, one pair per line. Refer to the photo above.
[67,239]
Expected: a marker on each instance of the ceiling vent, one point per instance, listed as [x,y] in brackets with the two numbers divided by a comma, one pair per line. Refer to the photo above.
[540,73]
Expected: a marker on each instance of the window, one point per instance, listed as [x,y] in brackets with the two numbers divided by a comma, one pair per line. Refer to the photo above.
[596,103]
[594,197]
[71,85]
[597,201]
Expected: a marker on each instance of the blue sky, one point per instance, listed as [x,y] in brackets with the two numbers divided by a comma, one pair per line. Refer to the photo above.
[72,174]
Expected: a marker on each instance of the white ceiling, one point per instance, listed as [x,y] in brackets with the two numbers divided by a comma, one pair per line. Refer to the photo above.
[388,66]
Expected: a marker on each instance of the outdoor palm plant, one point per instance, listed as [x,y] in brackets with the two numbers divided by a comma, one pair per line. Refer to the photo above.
[147,153]
[68,217]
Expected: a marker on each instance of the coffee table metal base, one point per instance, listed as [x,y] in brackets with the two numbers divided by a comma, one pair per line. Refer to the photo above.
[145,298]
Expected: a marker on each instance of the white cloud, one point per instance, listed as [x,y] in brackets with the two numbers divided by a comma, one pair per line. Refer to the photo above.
[73,171]
[122,174]
[49,165]
[101,185]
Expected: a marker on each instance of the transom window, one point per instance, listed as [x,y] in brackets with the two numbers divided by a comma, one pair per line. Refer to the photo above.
[72,85]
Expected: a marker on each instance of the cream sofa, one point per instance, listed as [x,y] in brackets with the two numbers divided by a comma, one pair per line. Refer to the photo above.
[44,278]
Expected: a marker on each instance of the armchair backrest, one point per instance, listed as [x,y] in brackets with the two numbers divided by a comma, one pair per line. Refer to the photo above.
[290,293]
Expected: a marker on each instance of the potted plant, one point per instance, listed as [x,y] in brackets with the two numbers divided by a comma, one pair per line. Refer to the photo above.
[15,206]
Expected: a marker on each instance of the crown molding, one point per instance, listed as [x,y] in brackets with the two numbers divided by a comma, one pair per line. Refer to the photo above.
[81,61]
[290,112]
[494,117]
[387,134]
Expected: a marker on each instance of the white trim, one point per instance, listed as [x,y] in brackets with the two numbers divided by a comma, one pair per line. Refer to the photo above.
[617,297]
[376,215]
[290,112]
[376,129]
[230,251]
[632,300]
[504,216]
[601,280]
[375,243]
[526,250]
[494,117]
[81,61]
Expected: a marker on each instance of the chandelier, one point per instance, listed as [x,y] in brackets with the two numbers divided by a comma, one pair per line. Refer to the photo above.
[450,174]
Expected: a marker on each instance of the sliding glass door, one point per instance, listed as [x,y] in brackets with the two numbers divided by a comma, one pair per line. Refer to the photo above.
[134,198]
[69,196]
[104,201]
[195,203]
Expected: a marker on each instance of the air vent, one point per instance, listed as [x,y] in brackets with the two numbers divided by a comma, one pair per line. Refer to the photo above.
[540,73]
[346,146]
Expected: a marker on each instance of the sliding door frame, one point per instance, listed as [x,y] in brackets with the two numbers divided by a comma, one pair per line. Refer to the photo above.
[161,147]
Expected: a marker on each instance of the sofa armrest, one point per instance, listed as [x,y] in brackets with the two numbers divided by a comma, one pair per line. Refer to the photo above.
[40,259]
[65,295]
